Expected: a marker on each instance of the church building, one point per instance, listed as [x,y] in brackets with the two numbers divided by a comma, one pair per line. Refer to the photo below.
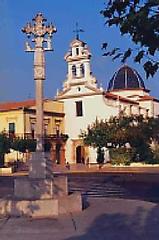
[84,101]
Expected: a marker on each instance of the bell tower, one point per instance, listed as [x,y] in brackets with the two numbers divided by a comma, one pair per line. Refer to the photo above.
[78,61]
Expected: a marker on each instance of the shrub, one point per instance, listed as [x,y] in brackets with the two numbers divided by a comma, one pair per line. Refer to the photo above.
[155,152]
[4,147]
[121,156]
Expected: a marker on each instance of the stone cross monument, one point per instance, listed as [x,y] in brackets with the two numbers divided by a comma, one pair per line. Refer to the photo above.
[40,195]
[42,38]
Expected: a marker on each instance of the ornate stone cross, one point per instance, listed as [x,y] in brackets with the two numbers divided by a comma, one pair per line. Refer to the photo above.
[42,38]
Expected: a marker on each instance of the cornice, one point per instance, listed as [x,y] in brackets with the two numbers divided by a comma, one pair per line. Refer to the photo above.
[79,95]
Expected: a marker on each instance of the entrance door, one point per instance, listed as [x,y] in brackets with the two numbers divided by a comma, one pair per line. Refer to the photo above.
[58,146]
[78,154]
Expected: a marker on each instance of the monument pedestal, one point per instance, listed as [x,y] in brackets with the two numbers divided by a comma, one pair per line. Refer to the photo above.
[33,189]
[40,166]
[40,195]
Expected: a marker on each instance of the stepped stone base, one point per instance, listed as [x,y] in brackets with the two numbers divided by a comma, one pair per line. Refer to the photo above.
[32,189]
[35,208]
[44,208]
[41,195]
[71,203]
[40,198]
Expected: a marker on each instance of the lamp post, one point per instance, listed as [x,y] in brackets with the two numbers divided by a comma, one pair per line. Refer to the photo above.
[41,37]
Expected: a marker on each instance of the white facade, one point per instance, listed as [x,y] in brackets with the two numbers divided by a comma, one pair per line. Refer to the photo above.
[93,107]
[84,101]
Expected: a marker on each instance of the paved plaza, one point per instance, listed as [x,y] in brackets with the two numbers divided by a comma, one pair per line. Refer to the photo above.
[103,219]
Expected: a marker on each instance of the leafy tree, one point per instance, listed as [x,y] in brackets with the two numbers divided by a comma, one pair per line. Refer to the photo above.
[109,133]
[140,21]
[4,147]
[154,128]
[106,134]
[22,145]
[118,132]
[95,136]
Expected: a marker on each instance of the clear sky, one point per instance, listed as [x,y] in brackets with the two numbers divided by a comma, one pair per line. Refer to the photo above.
[16,66]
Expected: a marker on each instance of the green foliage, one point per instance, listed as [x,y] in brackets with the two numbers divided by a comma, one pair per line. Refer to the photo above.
[143,153]
[23,145]
[95,135]
[4,147]
[126,55]
[154,129]
[119,132]
[155,151]
[139,20]
[111,133]
[4,143]
[122,156]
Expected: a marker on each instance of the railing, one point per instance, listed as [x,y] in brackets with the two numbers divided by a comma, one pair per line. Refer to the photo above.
[59,136]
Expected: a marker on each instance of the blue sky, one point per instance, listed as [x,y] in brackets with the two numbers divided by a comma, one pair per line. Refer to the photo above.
[16,66]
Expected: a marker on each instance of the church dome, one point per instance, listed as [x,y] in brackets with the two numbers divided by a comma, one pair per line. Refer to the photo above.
[126,78]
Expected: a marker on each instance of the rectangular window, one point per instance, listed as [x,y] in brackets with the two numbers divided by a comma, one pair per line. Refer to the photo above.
[45,130]
[33,130]
[77,51]
[11,128]
[79,109]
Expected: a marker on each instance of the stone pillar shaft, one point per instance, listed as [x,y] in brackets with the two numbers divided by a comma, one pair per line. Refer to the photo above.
[39,76]
[39,115]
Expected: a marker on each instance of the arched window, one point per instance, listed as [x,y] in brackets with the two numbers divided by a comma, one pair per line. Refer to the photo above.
[82,71]
[74,71]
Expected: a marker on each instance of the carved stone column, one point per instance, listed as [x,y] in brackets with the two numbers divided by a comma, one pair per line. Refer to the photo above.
[42,38]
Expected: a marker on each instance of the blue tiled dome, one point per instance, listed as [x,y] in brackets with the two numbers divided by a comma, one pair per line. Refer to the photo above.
[126,78]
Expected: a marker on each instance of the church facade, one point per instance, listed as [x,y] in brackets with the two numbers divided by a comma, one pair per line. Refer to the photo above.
[84,101]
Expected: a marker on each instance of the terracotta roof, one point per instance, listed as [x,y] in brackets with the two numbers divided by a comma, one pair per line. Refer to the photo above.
[147,98]
[5,106]
[117,97]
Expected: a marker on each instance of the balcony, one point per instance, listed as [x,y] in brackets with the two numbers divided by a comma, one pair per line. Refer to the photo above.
[54,137]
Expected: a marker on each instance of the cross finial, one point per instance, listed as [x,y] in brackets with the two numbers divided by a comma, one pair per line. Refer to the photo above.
[77,31]
[38,29]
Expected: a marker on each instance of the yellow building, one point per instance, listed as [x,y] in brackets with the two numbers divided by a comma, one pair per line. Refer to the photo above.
[18,119]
